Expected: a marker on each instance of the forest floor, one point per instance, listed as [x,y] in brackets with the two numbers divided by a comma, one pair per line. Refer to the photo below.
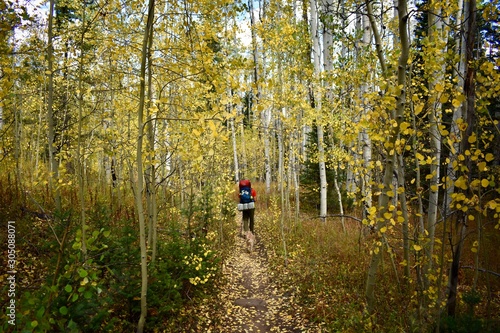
[251,300]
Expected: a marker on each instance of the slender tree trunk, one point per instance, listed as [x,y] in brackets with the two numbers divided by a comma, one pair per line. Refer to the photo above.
[80,154]
[150,174]
[235,144]
[244,166]
[461,50]
[398,116]
[406,227]
[140,172]
[436,77]
[317,106]
[265,115]
[53,162]
[470,112]
[339,194]
[364,138]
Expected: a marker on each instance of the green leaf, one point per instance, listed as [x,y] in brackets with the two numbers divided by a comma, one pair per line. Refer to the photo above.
[68,288]
[63,310]
[34,323]
[40,312]
[83,273]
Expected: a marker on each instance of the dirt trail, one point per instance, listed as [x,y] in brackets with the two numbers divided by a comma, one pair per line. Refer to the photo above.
[251,301]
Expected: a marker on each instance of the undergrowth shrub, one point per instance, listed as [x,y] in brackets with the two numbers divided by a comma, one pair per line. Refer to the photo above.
[325,270]
[101,292]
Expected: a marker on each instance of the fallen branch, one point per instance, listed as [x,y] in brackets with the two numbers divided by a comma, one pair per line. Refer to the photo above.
[483,270]
[341,215]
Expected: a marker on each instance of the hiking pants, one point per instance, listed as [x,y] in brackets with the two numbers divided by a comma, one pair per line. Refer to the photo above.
[248,216]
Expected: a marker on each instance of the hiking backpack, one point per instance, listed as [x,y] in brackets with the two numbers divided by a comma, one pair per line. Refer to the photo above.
[246,194]
[245,191]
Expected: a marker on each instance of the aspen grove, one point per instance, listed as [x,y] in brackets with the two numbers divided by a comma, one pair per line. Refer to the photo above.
[370,130]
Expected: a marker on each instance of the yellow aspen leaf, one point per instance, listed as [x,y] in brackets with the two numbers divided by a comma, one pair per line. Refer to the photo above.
[418,109]
[470,217]
[461,183]
[404,125]
[474,249]
[472,138]
[212,126]
[485,182]
[417,247]
[401,219]
[452,148]
[434,188]
[196,132]
[420,156]
[456,103]
[492,204]
[489,157]
[387,215]
[84,281]
[439,87]
[383,229]
[481,166]
[390,194]
[444,98]
[475,183]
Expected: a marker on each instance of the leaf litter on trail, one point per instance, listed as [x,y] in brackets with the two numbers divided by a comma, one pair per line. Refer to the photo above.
[249,300]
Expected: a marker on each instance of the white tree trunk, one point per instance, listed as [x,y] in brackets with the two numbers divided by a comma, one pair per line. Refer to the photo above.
[436,76]
[235,152]
[455,133]
[317,104]
[364,138]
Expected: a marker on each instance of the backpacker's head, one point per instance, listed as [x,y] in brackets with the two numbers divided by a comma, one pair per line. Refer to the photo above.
[245,183]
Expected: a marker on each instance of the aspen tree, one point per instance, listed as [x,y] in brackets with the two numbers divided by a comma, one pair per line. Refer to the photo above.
[80,154]
[258,76]
[397,115]
[435,67]
[458,112]
[316,54]
[53,162]
[470,119]
[364,138]
[140,173]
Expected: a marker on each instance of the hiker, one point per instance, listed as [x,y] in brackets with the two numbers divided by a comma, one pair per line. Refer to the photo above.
[247,204]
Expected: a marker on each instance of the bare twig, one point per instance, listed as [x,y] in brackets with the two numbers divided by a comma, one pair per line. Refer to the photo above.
[483,270]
